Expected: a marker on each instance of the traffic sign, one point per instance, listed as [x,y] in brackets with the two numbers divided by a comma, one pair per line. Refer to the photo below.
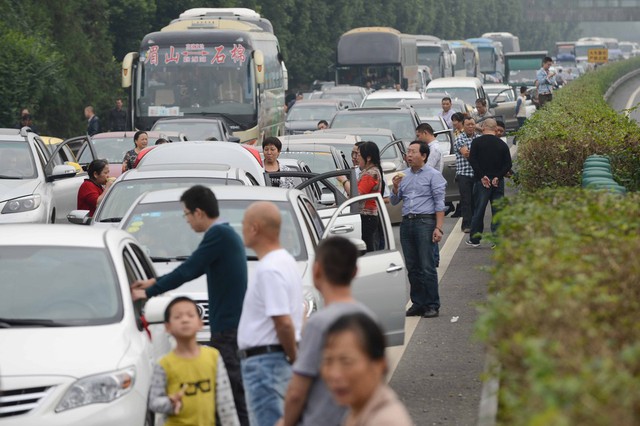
[598,56]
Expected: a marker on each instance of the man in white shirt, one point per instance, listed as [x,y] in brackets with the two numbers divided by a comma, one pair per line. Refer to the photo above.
[271,319]
[447,112]
[424,133]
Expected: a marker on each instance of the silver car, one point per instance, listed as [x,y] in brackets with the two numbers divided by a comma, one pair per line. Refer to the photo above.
[157,221]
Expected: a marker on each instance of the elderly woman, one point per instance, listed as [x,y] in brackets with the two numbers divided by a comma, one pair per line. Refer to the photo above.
[140,141]
[271,148]
[92,190]
[353,368]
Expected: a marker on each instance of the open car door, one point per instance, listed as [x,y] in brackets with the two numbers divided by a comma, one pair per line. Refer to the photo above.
[380,283]
[325,195]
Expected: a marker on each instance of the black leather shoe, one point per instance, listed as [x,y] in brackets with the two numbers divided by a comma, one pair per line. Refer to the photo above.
[430,313]
[415,311]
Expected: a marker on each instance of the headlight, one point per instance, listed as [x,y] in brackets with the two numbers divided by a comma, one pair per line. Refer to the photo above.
[23,204]
[98,389]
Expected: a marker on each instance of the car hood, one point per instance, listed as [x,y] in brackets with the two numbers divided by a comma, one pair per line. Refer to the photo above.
[302,125]
[15,188]
[65,351]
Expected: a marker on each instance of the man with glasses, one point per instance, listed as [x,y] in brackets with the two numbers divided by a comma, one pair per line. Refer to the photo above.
[221,256]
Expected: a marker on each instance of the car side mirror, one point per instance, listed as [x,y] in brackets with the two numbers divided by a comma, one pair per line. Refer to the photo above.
[79,217]
[493,104]
[360,245]
[327,199]
[154,309]
[62,171]
[388,166]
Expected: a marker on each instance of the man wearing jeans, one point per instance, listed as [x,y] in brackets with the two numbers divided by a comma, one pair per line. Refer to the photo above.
[422,190]
[491,161]
[271,318]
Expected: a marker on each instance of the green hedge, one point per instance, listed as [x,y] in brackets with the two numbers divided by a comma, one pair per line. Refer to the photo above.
[563,315]
[555,141]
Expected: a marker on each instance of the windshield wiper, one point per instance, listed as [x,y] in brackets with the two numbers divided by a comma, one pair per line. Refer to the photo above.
[10,177]
[181,258]
[160,259]
[10,322]
[111,219]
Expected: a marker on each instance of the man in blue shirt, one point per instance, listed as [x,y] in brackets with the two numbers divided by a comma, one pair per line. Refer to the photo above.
[422,190]
[545,80]
[222,257]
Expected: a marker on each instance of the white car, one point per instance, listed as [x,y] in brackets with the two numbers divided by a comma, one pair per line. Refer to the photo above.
[157,221]
[382,98]
[74,350]
[36,186]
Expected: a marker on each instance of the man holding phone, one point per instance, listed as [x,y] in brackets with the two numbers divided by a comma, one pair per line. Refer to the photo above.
[545,81]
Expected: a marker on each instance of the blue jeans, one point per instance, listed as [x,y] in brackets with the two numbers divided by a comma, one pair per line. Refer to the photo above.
[416,237]
[265,379]
[481,197]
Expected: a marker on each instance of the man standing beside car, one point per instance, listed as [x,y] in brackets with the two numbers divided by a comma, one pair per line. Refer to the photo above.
[446,112]
[464,171]
[221,256]
[421,188]
[545,80]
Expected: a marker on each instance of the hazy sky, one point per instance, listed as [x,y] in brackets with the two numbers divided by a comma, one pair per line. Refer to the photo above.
[623,31]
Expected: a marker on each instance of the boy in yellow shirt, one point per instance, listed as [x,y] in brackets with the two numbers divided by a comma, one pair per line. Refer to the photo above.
[190,384]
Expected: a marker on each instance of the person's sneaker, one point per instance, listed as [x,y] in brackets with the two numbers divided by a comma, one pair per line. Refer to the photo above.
[430,313]
[471,243]
[415,311]
[466,230]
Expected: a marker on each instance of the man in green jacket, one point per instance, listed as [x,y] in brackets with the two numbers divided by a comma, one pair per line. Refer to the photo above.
[221,256]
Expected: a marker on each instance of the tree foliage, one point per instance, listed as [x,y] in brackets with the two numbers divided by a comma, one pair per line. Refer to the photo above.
[67,53]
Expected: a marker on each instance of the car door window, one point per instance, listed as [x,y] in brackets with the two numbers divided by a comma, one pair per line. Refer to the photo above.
[133,274]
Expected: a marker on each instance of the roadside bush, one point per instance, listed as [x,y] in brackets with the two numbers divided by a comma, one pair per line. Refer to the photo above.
[562,315]
[556,140]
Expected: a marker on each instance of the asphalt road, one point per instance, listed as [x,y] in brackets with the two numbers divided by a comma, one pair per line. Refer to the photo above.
[627,96]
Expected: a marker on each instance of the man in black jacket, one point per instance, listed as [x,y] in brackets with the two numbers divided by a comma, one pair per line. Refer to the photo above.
[491,161]
[118,118]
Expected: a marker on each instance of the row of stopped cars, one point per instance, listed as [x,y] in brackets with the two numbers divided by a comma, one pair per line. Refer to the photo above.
[76,349]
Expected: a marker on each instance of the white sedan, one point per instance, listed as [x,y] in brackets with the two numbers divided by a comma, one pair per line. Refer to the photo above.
[73,351]
[157,221]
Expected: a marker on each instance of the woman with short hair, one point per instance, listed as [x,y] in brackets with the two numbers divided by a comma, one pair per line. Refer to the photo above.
[354,367]
[271,148]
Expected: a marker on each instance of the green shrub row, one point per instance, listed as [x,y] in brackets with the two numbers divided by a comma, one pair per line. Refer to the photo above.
[564,308]
[556,140]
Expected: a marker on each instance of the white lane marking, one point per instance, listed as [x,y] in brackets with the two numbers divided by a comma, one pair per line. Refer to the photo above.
[395,353]
[632,99]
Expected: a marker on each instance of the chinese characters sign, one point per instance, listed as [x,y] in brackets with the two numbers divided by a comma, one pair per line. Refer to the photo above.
[598,56]
[197,53]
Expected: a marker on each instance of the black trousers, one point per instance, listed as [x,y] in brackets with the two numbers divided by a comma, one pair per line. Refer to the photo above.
[370,234]
[226,342]
[465,186]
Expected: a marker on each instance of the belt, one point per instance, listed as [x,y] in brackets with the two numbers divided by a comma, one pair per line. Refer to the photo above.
[259,350]
[419,216]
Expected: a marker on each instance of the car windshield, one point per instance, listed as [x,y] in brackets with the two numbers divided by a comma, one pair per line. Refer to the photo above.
[124,193]
[502,95]
[195,131]
[58,285]
[381,102]
[16,161]
[164,233]
[467,94]
[111,149]
[318,162]
[400,123]
[311,113]
[424,110]
[356,97]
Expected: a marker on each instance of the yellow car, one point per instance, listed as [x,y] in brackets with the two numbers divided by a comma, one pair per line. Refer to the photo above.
[65,153]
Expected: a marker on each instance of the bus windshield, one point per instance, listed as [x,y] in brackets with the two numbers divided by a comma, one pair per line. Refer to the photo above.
[196,79]
[430,55]
[378,76]
[487,59]
[584,50]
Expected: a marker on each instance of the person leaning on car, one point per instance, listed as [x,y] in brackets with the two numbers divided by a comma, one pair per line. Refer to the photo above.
[221,256]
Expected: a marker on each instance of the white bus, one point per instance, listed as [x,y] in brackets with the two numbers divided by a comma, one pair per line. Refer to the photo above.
[510,43]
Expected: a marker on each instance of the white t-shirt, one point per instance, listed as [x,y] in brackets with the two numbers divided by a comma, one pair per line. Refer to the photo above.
[274,289]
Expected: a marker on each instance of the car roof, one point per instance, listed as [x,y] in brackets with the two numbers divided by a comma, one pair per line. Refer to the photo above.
[394,94]
[62,235]
[125,134]
[188,119]
[376,110]
[358,131]
[344,89]
[445,82]
[305,147]
[319,101]
[496,86]
[222,193]
[182,170]
[314,137]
